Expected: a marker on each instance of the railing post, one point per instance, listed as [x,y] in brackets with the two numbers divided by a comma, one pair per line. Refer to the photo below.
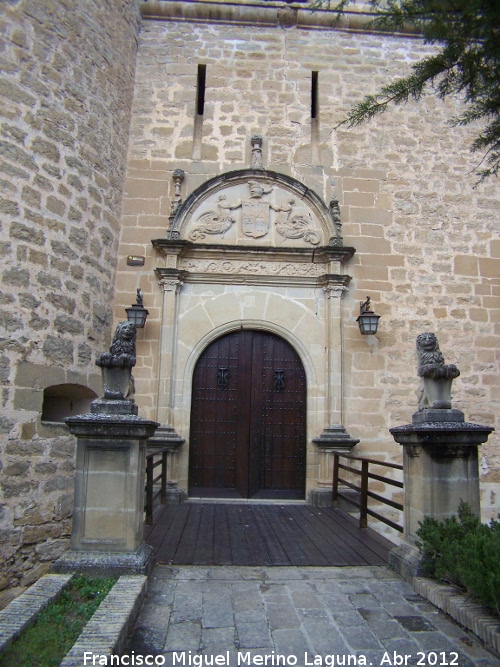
[335,484]
[163,488]
[363,514]
[149,491]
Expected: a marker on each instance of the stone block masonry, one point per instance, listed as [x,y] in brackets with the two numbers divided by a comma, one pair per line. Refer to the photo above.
[65,91]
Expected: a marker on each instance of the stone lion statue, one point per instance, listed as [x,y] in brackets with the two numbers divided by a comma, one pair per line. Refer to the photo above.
[117,364]
[436,376]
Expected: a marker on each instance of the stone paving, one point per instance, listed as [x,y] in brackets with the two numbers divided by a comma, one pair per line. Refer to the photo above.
[295,616]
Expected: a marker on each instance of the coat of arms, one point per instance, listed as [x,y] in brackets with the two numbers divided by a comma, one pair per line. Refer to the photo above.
[256,217]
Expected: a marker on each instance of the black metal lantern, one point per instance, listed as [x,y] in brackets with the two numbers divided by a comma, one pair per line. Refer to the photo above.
[367,320]
[137,314]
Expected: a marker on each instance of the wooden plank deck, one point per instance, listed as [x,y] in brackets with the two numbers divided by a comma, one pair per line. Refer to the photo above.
[262,534]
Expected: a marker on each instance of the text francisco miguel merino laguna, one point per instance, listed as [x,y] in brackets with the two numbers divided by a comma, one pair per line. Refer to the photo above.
[191,659]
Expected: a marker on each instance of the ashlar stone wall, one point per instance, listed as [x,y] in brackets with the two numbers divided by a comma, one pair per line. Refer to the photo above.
[426,237]
[66,84]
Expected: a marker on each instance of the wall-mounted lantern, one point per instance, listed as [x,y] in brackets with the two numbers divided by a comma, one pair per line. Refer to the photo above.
[137,314]
[367,320]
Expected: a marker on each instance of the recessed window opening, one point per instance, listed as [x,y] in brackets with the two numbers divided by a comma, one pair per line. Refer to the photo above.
[201,81]
[66,400]
[200,89]
[314,95]
[315,157]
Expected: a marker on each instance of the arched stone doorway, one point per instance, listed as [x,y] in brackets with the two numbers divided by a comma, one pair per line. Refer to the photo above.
[248,419]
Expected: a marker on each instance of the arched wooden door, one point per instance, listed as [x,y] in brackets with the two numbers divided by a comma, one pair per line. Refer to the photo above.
[248,419]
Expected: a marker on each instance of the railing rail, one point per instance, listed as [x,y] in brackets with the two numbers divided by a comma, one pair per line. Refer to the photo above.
[365,493]
[151,481]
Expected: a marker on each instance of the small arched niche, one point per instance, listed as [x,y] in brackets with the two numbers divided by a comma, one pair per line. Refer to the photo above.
[65,400]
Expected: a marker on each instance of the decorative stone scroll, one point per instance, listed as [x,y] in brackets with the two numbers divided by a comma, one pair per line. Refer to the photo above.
[217,221]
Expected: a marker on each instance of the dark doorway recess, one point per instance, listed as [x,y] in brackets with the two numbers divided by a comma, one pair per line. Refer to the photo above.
[248,419]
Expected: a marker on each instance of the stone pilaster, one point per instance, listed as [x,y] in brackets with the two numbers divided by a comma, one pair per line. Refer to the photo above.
[170,281]
[334,437]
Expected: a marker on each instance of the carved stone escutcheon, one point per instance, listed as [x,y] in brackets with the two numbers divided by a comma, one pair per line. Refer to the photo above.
[256,215]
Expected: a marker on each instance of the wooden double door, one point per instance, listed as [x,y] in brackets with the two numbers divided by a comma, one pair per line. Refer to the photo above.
[248,419]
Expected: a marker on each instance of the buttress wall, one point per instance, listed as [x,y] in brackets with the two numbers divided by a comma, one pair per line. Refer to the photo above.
[67,72]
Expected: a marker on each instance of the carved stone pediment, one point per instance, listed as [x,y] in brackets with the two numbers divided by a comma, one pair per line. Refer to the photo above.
[256,207]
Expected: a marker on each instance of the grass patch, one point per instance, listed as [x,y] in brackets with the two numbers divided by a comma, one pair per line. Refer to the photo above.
[58,627]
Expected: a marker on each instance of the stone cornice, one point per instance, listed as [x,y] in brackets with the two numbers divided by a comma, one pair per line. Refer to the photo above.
[183,248]
[263,12]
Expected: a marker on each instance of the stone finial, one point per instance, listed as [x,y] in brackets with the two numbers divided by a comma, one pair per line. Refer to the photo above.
[337,225]
[436,377]
[256,142]
[117,364]
[178,177]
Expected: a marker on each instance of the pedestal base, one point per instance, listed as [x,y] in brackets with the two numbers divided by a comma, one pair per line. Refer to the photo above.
[323,498]
[113,407]
[320,498]
[433,416]
[165,437]
[106,563]
[336,438]
[406,560]
[175,496]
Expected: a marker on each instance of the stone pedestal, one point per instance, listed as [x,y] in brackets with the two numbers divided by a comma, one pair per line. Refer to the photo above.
[107,532]
[440,467]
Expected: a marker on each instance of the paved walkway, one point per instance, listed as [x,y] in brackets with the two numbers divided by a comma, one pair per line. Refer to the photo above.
[328,616]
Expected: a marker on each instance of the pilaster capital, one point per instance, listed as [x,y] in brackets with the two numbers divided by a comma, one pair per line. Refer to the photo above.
[334,291]
[170,284]
[334,285]
[170,280]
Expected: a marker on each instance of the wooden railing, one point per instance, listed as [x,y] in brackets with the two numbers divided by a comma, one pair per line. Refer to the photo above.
[152,481]
[364,492]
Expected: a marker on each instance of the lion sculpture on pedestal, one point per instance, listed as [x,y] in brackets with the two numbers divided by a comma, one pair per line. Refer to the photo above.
[435,385]
[117,364]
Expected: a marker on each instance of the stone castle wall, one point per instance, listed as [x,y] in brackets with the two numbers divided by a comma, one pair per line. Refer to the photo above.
[426,238]
[65,97]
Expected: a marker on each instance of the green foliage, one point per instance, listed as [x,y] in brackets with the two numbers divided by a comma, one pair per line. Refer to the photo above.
[59,626]
[467,62]
[464,552]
